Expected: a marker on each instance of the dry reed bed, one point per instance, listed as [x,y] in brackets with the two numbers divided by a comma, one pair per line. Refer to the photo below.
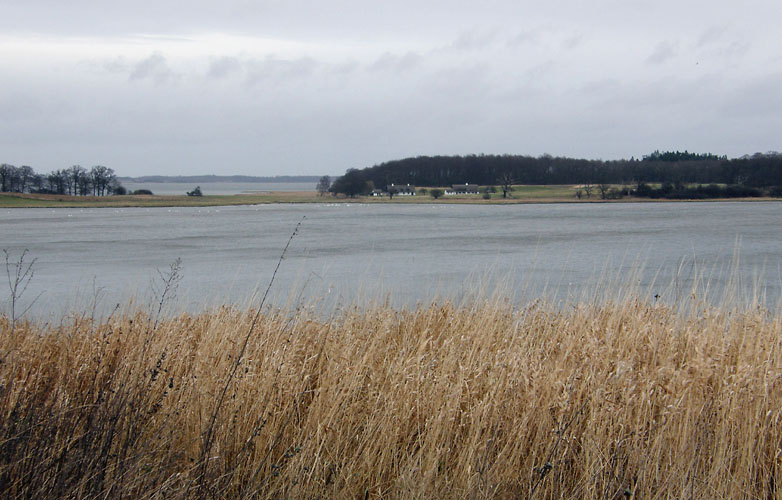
[603,401]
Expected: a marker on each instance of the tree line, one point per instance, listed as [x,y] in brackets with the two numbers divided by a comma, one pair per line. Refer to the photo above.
[761,170]
[76,180]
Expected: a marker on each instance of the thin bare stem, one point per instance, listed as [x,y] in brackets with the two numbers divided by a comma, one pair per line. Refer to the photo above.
[209,434]
[19,275]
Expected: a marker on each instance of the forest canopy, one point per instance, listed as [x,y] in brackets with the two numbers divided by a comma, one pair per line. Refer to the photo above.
[761,170]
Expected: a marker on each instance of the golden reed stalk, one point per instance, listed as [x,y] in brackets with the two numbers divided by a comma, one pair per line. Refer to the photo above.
[612,400]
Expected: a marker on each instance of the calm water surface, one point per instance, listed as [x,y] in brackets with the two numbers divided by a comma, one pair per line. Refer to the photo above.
[219,188]
[345,253]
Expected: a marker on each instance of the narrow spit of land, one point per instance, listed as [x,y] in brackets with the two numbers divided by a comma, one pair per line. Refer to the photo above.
[521,194]
[599,401]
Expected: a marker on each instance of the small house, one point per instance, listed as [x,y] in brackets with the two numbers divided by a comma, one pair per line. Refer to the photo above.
[407,190]
[462,189]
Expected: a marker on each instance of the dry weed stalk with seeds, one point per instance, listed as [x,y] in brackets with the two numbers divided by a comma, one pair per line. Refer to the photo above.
[610,400]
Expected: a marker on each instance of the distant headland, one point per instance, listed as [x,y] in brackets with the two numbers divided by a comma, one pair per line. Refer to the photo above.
[220,178]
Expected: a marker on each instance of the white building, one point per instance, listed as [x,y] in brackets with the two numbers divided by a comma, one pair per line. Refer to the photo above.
[407,190]
[462,189]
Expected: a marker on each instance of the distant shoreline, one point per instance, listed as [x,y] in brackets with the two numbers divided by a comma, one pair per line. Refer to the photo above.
[552,196]
[220,178]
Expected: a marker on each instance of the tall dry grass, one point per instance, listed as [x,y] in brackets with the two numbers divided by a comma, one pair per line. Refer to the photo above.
[602,401]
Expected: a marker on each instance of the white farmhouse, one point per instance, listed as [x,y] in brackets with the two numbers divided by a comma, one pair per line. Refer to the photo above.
[462,189]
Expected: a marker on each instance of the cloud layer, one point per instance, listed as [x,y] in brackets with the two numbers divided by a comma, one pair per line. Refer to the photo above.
[302,88]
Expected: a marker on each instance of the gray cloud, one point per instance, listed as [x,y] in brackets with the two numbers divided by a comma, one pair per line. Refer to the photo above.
[220,67]
[756,99]
[474,40]
[280,70]
[396,63]
[710,35]
[114,65]
[573,41]
[155,68]
[662,52]
[345,68]
[728,53]
[245,83]
[525,37]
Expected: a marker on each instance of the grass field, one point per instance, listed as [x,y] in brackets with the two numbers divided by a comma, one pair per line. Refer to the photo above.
[520,194]
[8,200]
[613,400]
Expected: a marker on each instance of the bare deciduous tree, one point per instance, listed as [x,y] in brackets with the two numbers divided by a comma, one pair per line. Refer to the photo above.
[102,178]
[323,185]
[7,177]
[507,184]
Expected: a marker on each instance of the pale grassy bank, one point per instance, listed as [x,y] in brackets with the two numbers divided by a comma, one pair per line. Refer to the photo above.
[12,200]
[615,400]
[520,195]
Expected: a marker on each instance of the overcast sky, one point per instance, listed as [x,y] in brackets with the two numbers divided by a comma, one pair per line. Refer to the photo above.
[292,87]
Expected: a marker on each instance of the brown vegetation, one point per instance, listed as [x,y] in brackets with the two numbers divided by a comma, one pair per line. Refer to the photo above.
[15,200]
[490,401]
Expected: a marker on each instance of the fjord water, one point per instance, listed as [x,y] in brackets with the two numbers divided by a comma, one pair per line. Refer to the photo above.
[93,259]
[219,188]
